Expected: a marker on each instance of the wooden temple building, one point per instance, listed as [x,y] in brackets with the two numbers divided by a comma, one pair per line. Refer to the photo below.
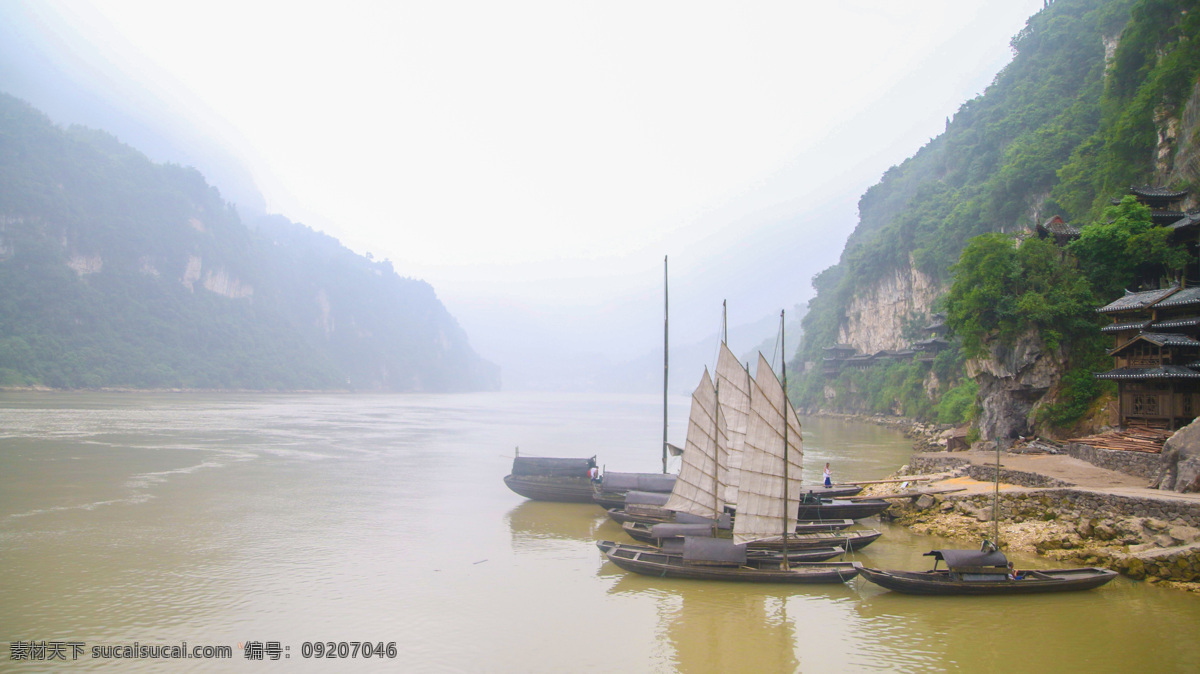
[1156,356]
[1156,332]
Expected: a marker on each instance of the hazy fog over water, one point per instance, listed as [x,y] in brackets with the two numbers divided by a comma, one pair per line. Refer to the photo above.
[534,161]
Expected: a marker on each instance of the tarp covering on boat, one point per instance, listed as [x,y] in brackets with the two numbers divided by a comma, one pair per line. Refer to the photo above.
[536,465]
[637,481]
[700,488]
[972,558]
[645,498]
[733,394]
[771,462]
[673,530]
[723,522]
[713,550]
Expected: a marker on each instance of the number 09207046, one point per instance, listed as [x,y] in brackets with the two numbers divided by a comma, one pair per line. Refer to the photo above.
[348,649]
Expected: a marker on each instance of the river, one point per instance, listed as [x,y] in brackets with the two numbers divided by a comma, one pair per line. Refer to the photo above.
[237,519]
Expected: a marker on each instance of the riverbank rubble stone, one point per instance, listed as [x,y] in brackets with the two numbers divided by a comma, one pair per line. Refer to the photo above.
[1135,532]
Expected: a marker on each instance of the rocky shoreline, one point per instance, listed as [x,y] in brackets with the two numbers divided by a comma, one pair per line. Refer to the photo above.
[1141,533]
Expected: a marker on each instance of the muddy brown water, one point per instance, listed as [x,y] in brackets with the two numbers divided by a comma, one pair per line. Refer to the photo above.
[224,520]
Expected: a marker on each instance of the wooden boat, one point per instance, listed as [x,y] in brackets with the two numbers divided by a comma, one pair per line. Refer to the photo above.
[612,488]
[836,491]
[676,548]
[849,541]
[811,526]
[651,561]
[552,479]
[620,516]
[817,508]
[642,506]
[973,572]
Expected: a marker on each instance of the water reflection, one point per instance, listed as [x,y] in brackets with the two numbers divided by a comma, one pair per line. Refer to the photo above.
[534,523]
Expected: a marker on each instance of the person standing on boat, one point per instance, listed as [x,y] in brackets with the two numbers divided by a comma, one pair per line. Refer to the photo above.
[828,476]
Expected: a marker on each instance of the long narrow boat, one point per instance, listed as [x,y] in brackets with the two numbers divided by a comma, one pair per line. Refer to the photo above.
[847,540]
[552,479]
[971,572]
[676,548]
[611,490]
[836,491]
[652,561]
[816,508]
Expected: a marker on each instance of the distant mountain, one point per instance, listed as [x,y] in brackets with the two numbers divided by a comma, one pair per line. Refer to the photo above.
[120,272]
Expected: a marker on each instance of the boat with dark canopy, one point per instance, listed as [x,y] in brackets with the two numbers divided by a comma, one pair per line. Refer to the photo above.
[975,572]
[552,479]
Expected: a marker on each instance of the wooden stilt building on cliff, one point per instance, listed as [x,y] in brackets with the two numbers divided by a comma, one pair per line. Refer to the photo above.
[1156,350]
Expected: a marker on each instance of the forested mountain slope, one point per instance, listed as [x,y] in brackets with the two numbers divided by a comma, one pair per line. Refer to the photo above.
[118,272]
[1100,95]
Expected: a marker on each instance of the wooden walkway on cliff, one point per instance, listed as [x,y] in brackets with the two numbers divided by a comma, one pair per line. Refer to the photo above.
[1133,439]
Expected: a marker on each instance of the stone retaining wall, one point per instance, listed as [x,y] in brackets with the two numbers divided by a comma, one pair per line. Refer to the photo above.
[1017,477]
[1138,464]
[1092,504]
[920,465]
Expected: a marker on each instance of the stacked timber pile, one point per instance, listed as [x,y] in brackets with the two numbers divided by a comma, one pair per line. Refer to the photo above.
[1149,440]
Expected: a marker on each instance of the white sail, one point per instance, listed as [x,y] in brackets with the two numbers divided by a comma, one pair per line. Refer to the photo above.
[761,489]
[700,487]
[733,384]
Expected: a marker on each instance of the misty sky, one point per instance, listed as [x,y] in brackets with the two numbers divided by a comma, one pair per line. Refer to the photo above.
[536,161]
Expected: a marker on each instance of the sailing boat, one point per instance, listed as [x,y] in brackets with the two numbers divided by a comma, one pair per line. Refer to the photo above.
[767,484]
[987,570]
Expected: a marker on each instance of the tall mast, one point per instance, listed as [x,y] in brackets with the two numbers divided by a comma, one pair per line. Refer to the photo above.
[783,360]
[666,325]
[996,503]
[724,322]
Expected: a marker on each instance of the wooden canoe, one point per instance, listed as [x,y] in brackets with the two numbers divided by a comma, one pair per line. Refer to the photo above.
[653,562]
[945,582]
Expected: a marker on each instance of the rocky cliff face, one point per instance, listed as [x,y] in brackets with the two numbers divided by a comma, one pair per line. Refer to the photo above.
[875,318]
[1013,382]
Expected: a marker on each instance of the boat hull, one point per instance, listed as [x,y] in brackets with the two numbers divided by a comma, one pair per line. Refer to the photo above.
[652,562]
[620,516]
[809,555]
[830,509]
[551,488]
[852,540]
[946,583]
[836,491]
